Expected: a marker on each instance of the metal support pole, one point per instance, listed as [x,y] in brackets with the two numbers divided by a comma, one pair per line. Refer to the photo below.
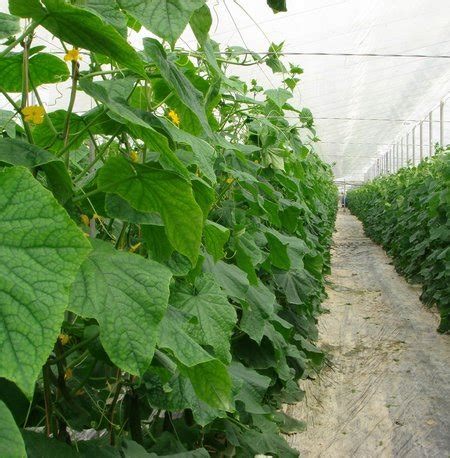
[401,152]
[430,133]
[397,156]
[441,123]
[421,141]
[391,162]
[414,146]
[394,165]
[407,150]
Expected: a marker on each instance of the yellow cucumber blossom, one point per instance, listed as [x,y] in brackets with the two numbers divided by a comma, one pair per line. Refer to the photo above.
[173,115]
[134,156]
[68,374]
[34,114]
[134,248]
[64,339]
[229,180]
[85,220]
[72,55]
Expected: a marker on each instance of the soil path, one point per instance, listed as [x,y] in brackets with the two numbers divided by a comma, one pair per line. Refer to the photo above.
[387,390]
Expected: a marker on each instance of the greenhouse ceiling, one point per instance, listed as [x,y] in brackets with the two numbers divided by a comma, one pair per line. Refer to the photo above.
[361,104]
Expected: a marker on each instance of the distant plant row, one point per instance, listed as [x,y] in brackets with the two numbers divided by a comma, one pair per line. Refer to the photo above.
[408,213]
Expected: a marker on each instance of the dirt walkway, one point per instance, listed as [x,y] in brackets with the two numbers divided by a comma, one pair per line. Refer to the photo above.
[387,393]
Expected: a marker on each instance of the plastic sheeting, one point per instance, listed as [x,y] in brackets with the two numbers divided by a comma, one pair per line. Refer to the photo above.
[361,104]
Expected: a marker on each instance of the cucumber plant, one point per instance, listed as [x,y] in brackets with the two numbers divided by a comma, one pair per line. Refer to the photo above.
[163,253]
[408,213]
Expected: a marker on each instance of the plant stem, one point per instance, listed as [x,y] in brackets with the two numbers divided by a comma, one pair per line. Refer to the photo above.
[87,194]
[86,378]
[133,416]
[25,83]
[49,427]
[79,134]
[72,349]
[99,156]
[46,116]
[10,100]
[112,408]
[28,31]
[165,361]
[73,94]
[104,72]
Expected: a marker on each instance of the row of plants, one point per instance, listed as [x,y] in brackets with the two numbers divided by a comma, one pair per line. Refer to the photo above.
[408,213]
[163,254]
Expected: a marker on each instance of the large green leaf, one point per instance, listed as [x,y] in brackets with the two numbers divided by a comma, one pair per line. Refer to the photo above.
[158,245]
[42,68]
[254,442]
[178,395]
[232,279]
[203,154]
[297,285]
[7,123]
[211,382]
[11,442]
[152,190]
[127,294]
[177,81]
[9,25]
[209,376]
[215,236]
[174,337]
[165,18]
[278,96]
[200,23]
[41,250]
[253,387]
[116,207]
[17,152]
[81,28]
[109,10]
[113,94]
[215,316]
[44,136]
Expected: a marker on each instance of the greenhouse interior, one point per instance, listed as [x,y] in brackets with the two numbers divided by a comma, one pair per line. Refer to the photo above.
[224,228]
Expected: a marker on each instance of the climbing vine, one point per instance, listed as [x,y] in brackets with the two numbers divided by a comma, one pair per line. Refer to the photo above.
[163,252]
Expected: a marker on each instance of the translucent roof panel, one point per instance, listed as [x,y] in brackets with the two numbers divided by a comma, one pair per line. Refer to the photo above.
[360,104]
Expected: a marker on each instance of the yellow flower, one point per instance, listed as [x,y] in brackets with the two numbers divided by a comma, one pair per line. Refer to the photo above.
[64,339]
[34,114]
[85,220]
[134,156]
[134,248]
[68,374]
[173,115]
[229,180]
[72,55]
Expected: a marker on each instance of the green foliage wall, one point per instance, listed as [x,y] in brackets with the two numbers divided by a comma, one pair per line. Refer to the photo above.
[408,213]
[163,254]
